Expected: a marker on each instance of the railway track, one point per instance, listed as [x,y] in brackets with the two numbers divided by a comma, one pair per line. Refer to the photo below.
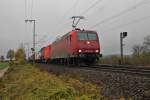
[142,71]
[134,70]
[132,81]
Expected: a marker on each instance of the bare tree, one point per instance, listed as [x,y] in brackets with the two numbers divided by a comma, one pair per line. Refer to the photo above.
[138,49]
[10,54]
[2,58]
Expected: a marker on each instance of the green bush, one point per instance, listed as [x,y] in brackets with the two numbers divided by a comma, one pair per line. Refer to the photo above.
[29,83]
[20,56]
[142,59]
[110,60]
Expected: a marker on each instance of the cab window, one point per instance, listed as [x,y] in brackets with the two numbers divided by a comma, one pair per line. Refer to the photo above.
[87,36]
[92,36]
[82,36]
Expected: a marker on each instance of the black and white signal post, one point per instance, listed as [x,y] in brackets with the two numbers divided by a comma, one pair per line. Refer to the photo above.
[122,36]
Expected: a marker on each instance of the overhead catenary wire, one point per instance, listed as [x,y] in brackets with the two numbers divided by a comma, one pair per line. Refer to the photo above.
[44,37]
[32,4]
[129,23]
[61,19]
[29,8]
[66,13]
[25,17]
[121,13]
[91,7]
[25,7]
[28,11]
[84,12]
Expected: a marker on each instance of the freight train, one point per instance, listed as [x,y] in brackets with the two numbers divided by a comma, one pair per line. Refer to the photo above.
[76,47]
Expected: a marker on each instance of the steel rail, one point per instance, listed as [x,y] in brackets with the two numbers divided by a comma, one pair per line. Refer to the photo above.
[127,69]
[136,70]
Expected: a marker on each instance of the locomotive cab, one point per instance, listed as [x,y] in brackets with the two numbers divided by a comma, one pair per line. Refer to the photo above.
[88,46]
[88,42]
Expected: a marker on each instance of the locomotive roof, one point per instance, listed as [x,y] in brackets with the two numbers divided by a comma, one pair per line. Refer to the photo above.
[76,30]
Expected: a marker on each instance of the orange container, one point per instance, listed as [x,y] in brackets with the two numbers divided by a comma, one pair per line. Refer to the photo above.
[47,53]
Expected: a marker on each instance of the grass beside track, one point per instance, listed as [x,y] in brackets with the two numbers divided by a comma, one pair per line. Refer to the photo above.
[3,65]
[29,83]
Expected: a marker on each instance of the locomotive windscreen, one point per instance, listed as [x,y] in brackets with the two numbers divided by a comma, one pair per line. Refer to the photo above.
[87,36]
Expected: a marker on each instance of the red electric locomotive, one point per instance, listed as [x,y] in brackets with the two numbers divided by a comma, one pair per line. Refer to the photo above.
[76,47]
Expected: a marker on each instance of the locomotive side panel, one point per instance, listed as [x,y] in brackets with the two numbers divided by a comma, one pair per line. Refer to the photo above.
[60,48]
[73,44]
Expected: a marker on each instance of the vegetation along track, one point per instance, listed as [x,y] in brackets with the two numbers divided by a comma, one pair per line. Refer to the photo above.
[115,80]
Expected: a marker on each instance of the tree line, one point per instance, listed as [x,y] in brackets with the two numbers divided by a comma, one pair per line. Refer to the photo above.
[19,56]
[142,49]
[140,55]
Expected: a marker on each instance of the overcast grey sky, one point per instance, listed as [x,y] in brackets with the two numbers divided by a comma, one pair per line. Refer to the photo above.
[113,16]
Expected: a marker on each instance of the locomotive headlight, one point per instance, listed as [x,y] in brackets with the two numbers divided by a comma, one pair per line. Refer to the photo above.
[88,42]
[80,51]
[96,51]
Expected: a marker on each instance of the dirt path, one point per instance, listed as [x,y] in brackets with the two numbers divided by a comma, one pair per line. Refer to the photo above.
[2,72]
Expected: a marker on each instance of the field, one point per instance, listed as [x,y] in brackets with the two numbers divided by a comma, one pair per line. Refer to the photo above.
[3,65]
[25,82]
